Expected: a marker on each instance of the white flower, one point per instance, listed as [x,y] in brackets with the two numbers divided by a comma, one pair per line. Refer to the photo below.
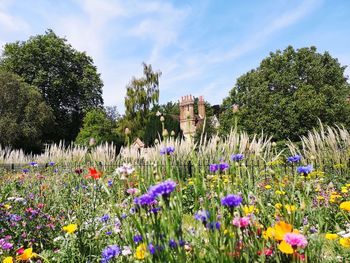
[126,251]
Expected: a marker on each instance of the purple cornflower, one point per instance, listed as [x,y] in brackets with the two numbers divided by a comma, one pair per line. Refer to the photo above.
[110,182]
[104,218]
[213,167]
[51,163]
[110,252]
[108,233]
[5,245]
[294,159]
[172,243]
[137,238]
[55,171]
[25,170]
[223,167]
[33,164]
[182,242]
[231,200]
[237,157]
[144,200]
[151,249]
[167,150]
[305,170]
[14,217]
[202,216]
[155,210]
[163,189]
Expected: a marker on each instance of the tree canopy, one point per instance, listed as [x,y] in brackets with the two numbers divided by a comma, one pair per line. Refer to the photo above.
[141,95]
[288,94]
[99,126]
[23,113]
[67,79]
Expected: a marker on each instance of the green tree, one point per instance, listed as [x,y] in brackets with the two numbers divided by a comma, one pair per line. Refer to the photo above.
[287,94]
[141,95]
[67,79]
[23,114]
[97,125]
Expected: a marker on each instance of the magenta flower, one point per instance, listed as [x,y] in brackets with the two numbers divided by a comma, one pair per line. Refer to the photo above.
[241,222]
[295,240]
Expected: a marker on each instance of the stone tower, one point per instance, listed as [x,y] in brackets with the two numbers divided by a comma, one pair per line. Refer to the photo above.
[188,120]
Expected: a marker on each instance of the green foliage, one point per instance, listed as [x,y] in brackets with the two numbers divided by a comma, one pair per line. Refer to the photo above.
[67,79]
[23,113]
[141,95]
[97,125]
[288,94]
[154,128]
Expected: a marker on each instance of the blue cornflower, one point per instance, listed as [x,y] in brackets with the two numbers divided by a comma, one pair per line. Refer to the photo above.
[305,169]
[51,163]
[163,189]
[55,171]
[33,164]
[172,243]
[213,167]
[167,150]
[25,170]
[144,200]
[108,233]
[223,167]
[155,210]
[231,200]
[110,252]
[182,242]
[137,238]
[104,218]
[151,249]
[294,159]
[202,216]
[237,157]
[110,182]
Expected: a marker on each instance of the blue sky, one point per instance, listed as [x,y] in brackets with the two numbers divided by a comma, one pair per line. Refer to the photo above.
[200,46]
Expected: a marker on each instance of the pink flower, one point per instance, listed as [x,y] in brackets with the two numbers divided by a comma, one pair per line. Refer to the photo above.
[241,222]
[132,191]
[295,240]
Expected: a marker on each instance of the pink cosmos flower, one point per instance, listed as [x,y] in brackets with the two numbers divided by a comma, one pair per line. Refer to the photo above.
[295,240]
[241,222]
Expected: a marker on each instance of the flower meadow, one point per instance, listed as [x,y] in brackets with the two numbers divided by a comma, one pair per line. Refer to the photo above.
[223,212]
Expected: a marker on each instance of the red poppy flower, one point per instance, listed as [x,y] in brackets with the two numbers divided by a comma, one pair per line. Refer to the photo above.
[93,173]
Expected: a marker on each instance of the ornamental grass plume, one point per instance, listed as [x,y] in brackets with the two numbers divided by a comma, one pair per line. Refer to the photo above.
[70,229]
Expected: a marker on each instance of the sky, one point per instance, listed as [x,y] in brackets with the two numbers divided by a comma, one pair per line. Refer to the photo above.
[200,46]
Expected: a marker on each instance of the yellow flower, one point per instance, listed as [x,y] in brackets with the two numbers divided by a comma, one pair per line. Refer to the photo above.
[140,251]
[268,186]
[344,189]
[8,260]
[320,197]
[331,236]
[285,247]
[345,206]
[7,206]
[71,228]
[290,208]
[26,255]
[226,181]
[278,192]
[278,206]
[190,182]
[248,209]
[347,185]
[282,228]
[345,242]
[269,233]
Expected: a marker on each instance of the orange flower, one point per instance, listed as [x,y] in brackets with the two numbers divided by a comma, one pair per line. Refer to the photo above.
[282,228]
[93,173]
[26,255]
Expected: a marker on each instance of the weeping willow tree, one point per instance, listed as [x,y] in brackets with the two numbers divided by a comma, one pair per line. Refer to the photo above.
[141,95]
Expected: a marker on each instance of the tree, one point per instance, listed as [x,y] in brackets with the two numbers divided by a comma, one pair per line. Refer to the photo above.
[67,79]
[23,114]
[288,94]
[97,125]
[141,95]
